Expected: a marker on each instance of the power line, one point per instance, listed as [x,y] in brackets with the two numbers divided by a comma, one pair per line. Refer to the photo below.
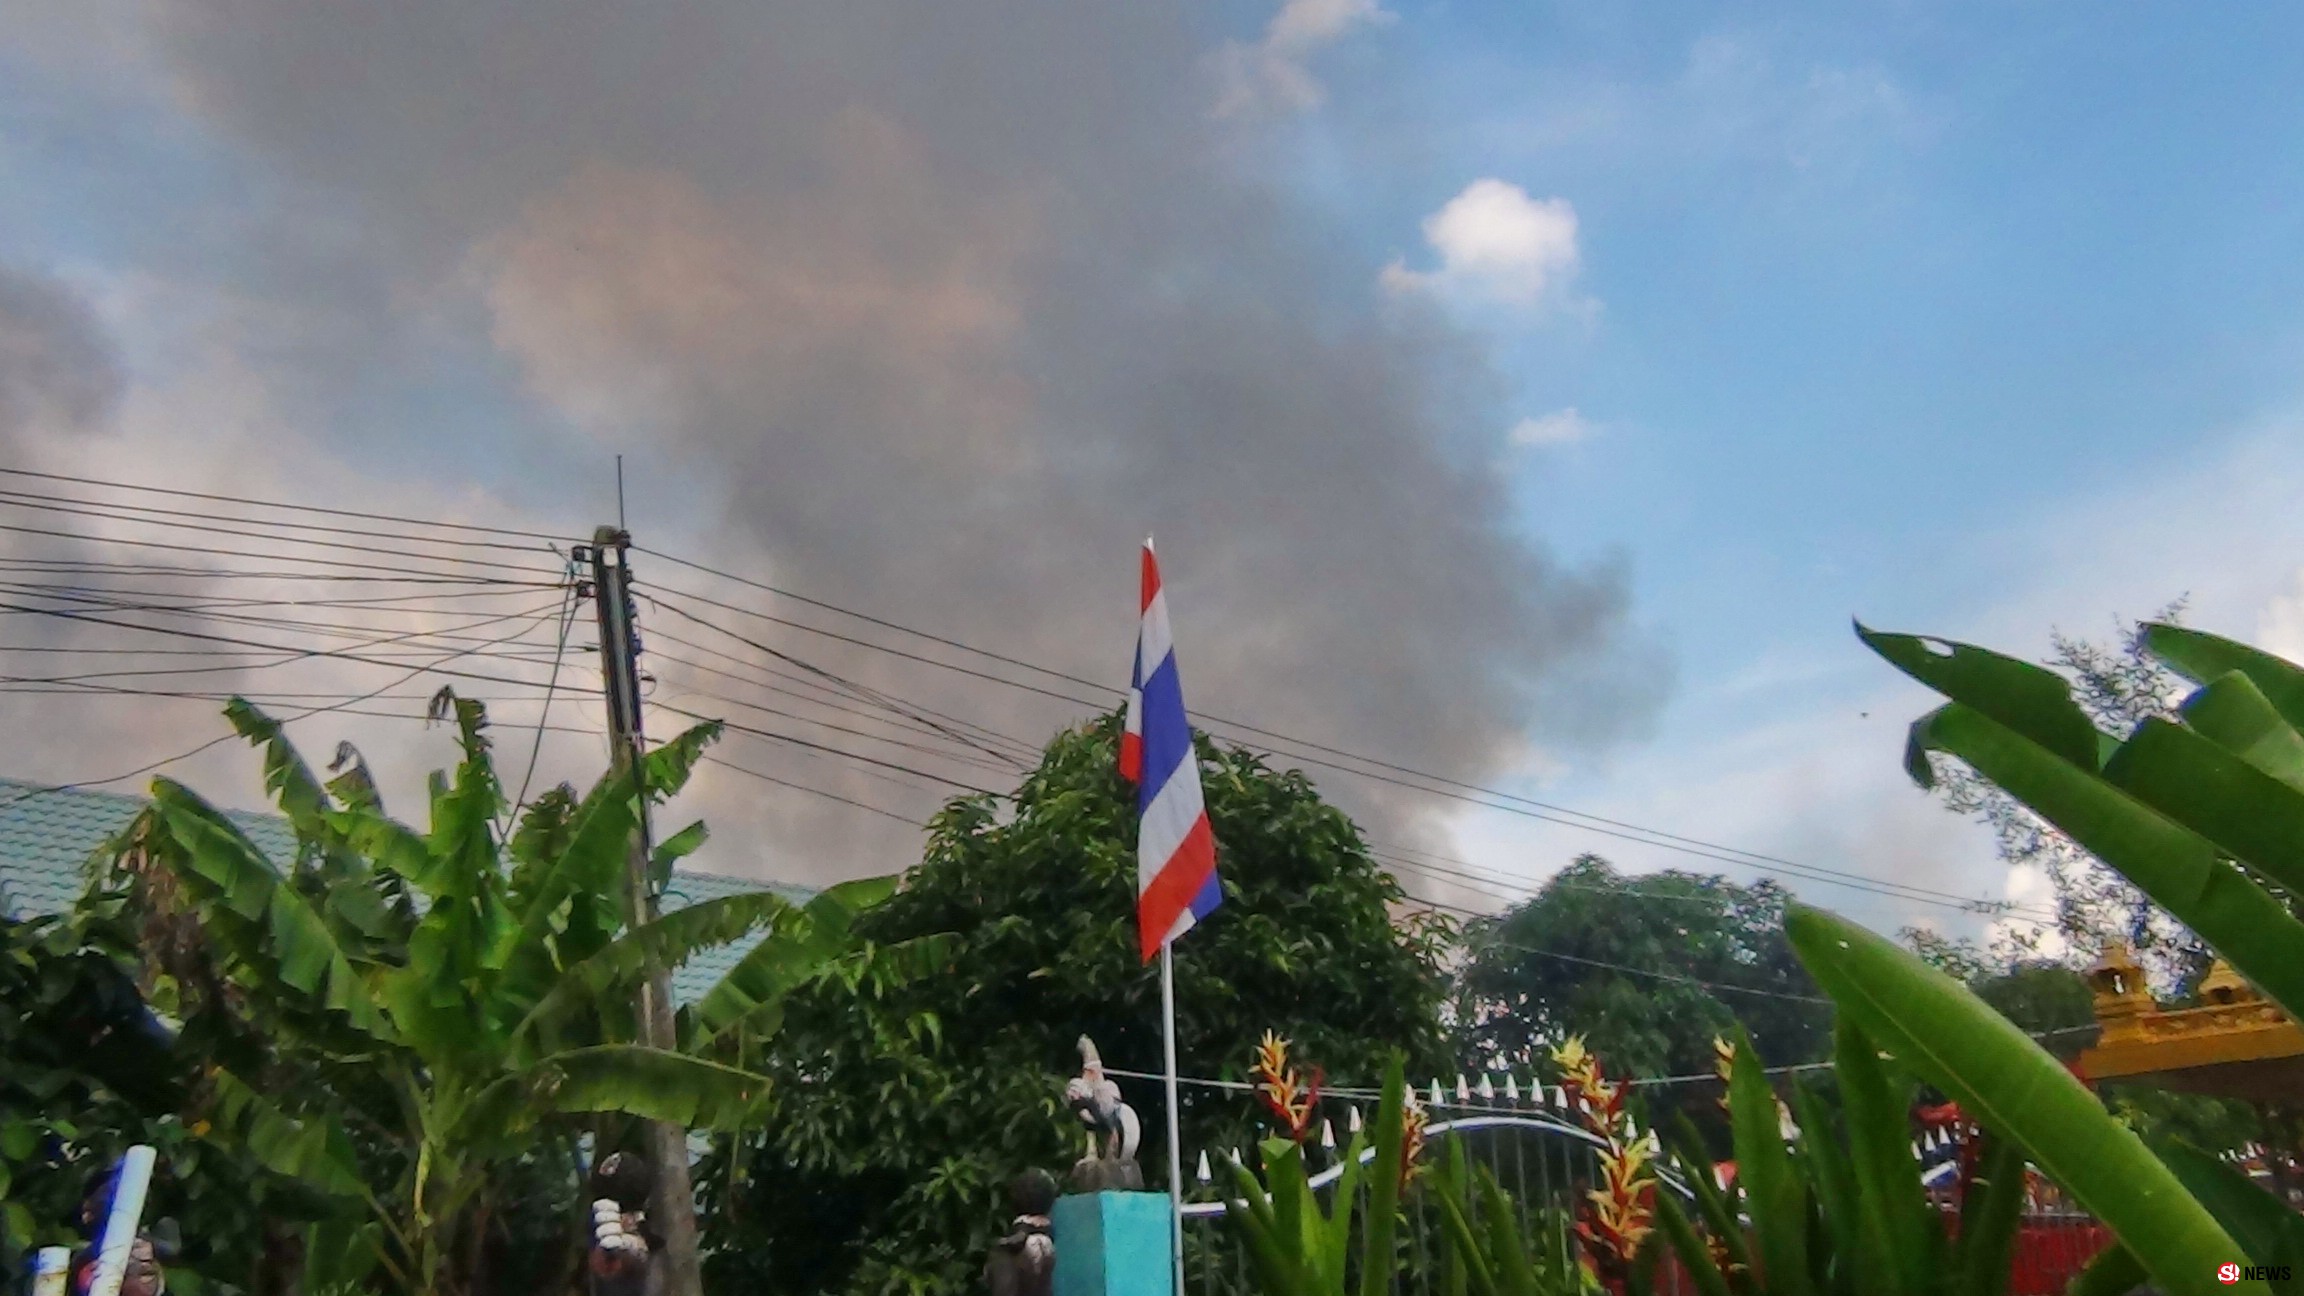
[344,563]
[277,504]
[863,692]
[1469,793]
[329,653]
[212,529]
[152,515]
[836,703]
[795,741]
[724,763]
[227,736]
[536,748]
[923,748]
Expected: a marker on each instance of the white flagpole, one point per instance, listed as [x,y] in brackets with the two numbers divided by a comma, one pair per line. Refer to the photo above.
[1175,1140]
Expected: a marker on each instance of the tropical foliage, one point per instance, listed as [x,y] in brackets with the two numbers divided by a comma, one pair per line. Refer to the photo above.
[2118,685]
[1298,1246]
[1840,1210]
[895,1122]
[89,1071]
[2203,811]
[412,1023]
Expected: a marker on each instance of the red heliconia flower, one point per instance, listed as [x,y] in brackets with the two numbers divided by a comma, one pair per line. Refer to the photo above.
[1619,1213]
[1413,1119]
[1291,1100]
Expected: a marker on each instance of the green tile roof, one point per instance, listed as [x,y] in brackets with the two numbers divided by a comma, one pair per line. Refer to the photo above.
[47,836]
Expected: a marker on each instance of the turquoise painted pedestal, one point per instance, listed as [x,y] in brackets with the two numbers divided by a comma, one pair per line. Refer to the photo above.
[1112,1244]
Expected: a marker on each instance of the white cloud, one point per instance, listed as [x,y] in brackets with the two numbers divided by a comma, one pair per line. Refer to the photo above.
[2280,626]
[1497,244]
[1797,752]
[1558,428]
[1272,74]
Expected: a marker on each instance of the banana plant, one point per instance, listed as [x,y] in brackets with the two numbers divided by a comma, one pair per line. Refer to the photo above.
[1840,1210]
[395,1012]
[2205,814]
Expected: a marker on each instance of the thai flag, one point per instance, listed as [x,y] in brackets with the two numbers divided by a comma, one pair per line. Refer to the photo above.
[1176,882]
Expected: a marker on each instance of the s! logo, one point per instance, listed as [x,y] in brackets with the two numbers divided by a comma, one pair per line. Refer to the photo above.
[2228,1273]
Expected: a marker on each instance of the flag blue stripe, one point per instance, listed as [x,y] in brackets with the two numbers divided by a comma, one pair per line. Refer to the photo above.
[1211,895]
[1167,734]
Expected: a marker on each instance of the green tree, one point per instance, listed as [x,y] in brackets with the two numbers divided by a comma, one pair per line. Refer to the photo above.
[420,1024]
[1635,965]
[893,1129]
[2118,686]
[90,1070]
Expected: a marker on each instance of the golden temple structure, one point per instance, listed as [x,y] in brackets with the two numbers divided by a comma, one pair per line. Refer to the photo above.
[2236,1044]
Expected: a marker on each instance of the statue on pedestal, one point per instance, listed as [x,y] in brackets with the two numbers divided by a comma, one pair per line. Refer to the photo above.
[1113,1132]
[1024,1262]
[626,1256]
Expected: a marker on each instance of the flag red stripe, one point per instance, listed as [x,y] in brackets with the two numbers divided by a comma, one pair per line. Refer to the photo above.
[1178,881]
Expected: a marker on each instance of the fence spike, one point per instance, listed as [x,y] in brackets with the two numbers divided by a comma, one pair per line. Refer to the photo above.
[1437,1098]
[1487,1089]
[1355,1110]
[1463,1090]
[1205,1175]
[1327,1135]
[1511,1087]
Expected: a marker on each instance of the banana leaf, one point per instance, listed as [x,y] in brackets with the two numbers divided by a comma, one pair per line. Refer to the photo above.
[1721,1210]
[2269,1232]
[2247,813]
[1467,1252]
[1833,1179]
[665,769]
[1908,1244]
[629,1079]
[2030,700]
[284,928]
[2233,713]
[1989,1214]
[666,943]
[1452,1186]
[2114,1272]
[2183,872]
[1689,1245]
[2011,1086]
[1258,1219]
[2202,658]
[1378,1262]
[312,1149]
[1773,1190]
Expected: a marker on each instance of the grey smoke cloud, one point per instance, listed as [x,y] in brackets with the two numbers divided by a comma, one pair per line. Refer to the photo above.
[939,309]
[56,366]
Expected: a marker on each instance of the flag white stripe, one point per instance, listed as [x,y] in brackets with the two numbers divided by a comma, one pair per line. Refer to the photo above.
[1153,644]
[1167,822]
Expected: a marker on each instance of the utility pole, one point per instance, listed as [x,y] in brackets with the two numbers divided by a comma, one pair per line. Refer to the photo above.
[674,1207]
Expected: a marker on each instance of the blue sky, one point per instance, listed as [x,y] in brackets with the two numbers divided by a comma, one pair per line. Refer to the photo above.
[1978,319]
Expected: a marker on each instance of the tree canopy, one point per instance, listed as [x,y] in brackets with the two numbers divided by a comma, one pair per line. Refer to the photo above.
[1648,969]
[893,1128]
